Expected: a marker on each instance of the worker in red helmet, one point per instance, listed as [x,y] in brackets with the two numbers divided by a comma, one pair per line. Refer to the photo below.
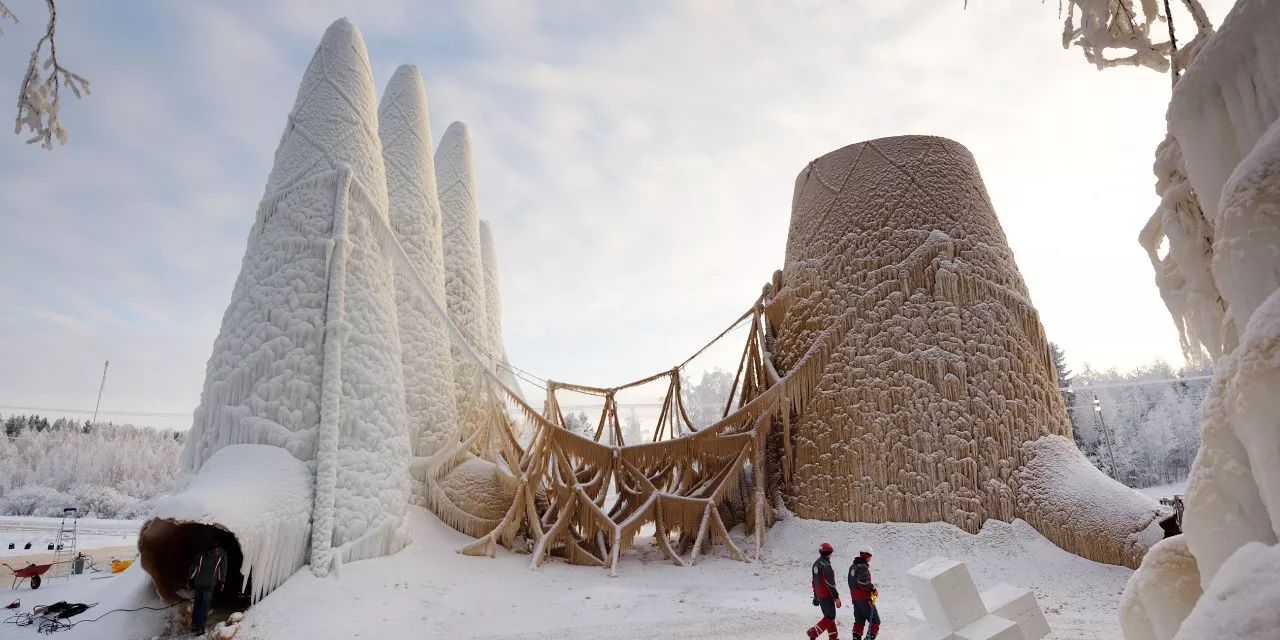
[825,594]
[862,592]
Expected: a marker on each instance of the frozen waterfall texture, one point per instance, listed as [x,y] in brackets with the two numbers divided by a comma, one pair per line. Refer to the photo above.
[941,401]
[1219,182]
[405,130]
[308,356]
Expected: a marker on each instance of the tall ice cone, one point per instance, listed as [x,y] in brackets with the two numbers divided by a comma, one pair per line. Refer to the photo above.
[405,130]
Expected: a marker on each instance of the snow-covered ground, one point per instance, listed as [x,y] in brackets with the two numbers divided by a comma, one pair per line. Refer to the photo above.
[429,591]
[40,532]
[1166,490]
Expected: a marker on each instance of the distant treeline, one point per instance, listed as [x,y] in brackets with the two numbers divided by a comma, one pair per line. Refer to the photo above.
[105,470]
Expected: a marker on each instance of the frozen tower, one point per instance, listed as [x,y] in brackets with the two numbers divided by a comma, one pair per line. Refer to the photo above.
[941,403]
[463,265]
[305,376]
[405,131]
[493,305]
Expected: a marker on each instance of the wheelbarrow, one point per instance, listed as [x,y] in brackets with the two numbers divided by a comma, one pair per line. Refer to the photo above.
[31,571]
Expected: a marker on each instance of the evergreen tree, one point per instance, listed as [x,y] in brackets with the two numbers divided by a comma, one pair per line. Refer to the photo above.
[1065,378]
[14,425]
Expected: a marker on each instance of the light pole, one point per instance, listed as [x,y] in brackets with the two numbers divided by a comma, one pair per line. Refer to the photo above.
[100,388]
[1106,435]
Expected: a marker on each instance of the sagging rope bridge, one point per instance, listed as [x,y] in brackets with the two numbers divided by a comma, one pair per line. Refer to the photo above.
[586,499]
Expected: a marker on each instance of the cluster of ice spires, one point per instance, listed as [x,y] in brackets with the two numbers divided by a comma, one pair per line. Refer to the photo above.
[333,347]
[1219,181]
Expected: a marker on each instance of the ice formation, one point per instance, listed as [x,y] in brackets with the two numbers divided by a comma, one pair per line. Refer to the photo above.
[272,528]
[405,130]
[463,265]
[493,306]
[1225,119]
[941,403]
[308,356]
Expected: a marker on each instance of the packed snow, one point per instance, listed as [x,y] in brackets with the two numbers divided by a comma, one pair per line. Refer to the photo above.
[271,526]
[429,591]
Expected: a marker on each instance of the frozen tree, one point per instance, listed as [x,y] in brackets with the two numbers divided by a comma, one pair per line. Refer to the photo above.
[706,400]
[579,423]
[40,94]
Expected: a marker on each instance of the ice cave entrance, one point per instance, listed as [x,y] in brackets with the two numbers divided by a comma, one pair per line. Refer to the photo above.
[168,548]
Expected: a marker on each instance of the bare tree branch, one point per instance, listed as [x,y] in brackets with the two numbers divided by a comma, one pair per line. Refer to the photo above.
[6,13]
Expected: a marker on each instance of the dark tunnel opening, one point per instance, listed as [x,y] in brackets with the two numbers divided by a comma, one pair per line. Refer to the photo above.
[168,548]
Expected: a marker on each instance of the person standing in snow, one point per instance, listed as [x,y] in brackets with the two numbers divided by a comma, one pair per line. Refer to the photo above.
[208,571]
[825,594]
[862,592]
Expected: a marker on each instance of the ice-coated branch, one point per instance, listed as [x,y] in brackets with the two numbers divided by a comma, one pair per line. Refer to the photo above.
[6,13]
[1115,24]
[40,97]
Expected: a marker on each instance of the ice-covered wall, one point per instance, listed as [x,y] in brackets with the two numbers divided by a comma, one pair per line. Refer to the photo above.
[405,130]
[463,265]
[308,356]
[1225,118]
[940,400]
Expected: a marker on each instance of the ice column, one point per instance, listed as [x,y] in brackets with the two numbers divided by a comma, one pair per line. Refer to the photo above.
[493,304]
[405,131]
[463,265]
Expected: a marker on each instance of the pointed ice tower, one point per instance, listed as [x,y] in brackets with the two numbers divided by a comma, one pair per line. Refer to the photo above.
[405,130]
[307,360]
[463,267]
[493,306]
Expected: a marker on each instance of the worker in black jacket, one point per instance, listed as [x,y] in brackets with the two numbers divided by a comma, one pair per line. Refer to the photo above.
[862,592]
[208,572]
[825,594]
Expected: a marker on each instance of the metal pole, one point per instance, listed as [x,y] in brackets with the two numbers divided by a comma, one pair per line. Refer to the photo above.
[100,388]
[1106,434]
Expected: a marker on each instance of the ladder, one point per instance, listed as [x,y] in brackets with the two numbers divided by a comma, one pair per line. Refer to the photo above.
[65,544]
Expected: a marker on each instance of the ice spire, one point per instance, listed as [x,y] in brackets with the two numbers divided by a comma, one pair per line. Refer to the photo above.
[308,355]
[405,129]
[493,305]
[463,268]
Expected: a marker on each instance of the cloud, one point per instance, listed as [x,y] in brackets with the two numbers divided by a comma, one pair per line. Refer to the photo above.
[636,160]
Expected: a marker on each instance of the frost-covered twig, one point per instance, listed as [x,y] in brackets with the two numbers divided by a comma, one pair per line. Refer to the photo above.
[1115,24]
[6,13]
[39,98]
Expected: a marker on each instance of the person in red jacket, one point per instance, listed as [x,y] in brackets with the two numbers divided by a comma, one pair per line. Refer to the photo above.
[862,592]
[825,594]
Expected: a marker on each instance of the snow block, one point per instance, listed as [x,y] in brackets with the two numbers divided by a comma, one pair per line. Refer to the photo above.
[928,632]
[259,494]
[989,628]
[1019,606]
[946,593]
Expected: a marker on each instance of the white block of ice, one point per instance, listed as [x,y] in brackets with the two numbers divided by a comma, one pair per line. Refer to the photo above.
[989,628]
[1020,606]
[946,593]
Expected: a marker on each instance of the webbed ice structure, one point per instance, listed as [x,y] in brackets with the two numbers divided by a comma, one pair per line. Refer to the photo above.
[329,401]
[940,402]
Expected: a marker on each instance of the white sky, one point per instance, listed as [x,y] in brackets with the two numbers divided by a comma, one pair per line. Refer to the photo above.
[636,163]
